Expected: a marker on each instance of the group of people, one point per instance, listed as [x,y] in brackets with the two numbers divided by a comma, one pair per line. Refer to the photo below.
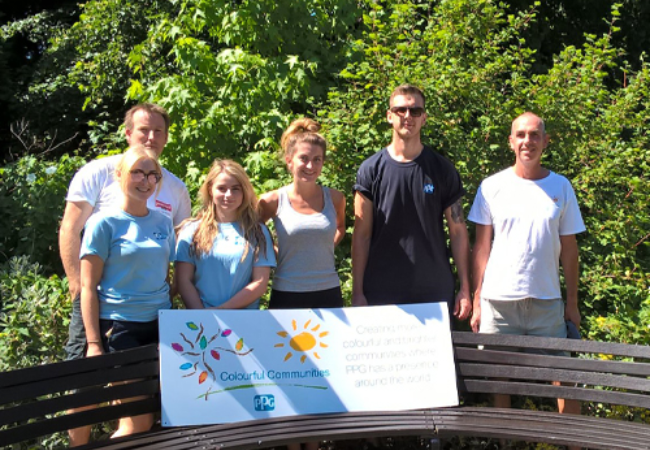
[136,218]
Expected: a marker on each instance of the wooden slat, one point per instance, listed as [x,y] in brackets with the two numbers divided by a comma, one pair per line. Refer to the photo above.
[78,381]
[574,345]
[98,415]
[549,391]
[65,368]
[527,359]
[63,403]
[542,374]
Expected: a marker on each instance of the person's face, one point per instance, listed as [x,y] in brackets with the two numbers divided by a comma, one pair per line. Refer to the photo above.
[306,164]
[141,180]
[407,115]
[227,195]
[528,140]
[148,130]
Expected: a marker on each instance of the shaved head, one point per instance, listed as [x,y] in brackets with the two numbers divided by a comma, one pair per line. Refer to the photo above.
[528,115]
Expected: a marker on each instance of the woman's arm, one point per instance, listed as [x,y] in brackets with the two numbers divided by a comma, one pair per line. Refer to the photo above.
[92,267]
[338,199]
[267,207]
[184,276]
[251,292]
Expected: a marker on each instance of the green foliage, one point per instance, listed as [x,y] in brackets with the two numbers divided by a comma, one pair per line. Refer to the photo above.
[232,77]
[32,200]
[34,315]
[475,68]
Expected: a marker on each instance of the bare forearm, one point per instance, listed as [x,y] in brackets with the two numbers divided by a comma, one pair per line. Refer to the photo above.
[69,245]
[251,292]
[460,252]
[570,266]
[360,250]
[189,295]
[90,313]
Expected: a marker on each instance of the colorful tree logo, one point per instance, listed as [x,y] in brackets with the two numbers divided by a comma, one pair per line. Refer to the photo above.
[198,349]
[304,341]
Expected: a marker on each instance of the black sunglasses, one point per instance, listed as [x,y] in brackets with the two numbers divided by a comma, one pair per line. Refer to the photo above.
[415,111]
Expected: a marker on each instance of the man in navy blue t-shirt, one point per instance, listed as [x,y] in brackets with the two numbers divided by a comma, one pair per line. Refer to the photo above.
[399,251]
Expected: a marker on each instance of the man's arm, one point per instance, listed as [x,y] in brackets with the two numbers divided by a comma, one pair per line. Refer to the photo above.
[569,260]
[460,251]
[360,246]
[74,219]
[480,256]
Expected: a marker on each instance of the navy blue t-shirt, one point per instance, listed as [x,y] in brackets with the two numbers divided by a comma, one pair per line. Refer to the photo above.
[408,260]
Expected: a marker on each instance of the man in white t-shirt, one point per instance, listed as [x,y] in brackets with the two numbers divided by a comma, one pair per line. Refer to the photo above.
[94,189]
[534,217]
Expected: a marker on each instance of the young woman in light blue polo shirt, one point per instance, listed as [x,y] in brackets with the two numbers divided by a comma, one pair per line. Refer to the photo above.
[224,255]
[125,255]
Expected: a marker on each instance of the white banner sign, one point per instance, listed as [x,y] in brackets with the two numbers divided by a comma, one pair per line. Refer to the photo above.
[235,365]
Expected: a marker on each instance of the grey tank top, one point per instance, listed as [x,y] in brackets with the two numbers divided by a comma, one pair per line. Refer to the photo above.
[305,247]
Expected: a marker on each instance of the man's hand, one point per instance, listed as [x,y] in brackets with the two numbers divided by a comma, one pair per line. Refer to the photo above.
[359,300]
[463,305]
[572,313]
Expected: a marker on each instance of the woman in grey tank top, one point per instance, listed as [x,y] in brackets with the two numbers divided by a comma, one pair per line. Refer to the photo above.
[309,221]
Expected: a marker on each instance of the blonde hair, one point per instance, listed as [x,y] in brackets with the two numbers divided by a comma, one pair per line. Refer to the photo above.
[129,158]
[302,130]
[247,215]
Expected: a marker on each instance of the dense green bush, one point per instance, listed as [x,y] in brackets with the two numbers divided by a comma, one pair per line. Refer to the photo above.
[32,200]
[34,315]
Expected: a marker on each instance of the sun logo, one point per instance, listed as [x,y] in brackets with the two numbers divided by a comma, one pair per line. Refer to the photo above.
[304,341]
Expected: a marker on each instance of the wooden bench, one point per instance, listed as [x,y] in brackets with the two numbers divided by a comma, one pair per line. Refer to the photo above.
[31,399]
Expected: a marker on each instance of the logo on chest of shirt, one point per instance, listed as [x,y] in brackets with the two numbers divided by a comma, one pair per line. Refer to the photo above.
[163,205]
[159,236]
[428,188]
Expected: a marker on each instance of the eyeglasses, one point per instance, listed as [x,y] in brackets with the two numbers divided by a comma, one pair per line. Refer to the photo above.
[415,111]
[138,175]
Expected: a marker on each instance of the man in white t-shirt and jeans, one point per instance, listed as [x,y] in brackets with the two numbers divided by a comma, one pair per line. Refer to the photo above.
[534,217]
[95,189]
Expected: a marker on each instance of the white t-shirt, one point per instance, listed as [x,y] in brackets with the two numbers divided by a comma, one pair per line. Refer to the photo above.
[528,217]
[95,184]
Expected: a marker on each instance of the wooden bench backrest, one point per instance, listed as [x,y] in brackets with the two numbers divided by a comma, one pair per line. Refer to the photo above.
[39,395]
[593,375]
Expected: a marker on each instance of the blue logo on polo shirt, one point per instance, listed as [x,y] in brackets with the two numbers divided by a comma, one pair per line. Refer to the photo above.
[428,188]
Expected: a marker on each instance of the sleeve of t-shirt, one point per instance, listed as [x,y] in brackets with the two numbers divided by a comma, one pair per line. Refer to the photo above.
[454,189]
[97,238]
[86,184]
[480,212]
[571,220]
[364,181]
[266,259]
[184,244]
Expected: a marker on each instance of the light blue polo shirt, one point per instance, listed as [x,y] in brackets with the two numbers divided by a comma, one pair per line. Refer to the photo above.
[136,252]
[220,274]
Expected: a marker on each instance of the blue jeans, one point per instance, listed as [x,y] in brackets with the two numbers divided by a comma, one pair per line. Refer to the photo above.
[75,348]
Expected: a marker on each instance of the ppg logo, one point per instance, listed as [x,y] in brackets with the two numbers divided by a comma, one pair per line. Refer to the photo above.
[428,188]
[264,402]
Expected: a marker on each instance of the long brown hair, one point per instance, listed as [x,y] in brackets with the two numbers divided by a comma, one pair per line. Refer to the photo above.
[247,216]
[302,130]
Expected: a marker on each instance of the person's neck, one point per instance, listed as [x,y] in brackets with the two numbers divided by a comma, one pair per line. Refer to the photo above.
[404,150]
[229,217]
[305,190]
[135,208]
[536,172]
